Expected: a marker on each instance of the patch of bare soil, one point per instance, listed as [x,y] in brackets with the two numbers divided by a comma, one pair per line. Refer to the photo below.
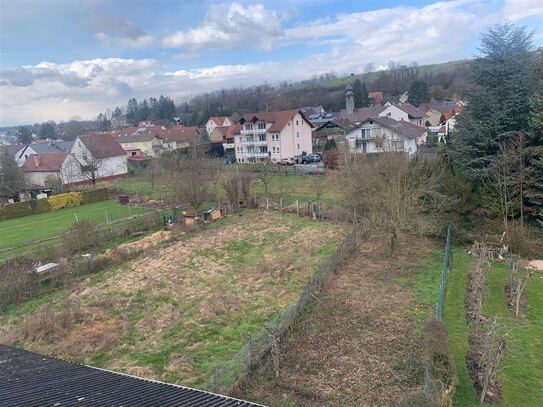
[358,344]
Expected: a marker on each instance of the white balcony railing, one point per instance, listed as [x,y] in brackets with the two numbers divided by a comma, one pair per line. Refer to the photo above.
[254,143]
[248,132]
[252,155]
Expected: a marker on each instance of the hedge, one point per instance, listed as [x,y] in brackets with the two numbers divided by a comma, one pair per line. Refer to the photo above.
[18,209]
[94,195]
[67,200]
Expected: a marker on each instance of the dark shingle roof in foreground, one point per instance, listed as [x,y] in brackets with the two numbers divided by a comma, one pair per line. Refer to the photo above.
[29,379]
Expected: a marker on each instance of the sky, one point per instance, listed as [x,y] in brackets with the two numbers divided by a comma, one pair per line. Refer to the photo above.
[65,58]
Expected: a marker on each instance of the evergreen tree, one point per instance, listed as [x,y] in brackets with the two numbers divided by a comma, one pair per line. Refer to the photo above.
[418,92]
[117,113]
[153,108]
[498,105]
[24,135]
[360,91]
[143,111]
[104,123]
[534,164]
[47,131]
[132,111]
[11,176]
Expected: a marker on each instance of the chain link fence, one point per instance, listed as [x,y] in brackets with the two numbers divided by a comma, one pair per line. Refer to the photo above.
[227,377]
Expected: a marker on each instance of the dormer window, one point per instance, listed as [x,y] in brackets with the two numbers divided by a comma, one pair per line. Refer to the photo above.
[248,126]
[262,125]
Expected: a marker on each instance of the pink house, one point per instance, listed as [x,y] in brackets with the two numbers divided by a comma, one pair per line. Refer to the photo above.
[272,136]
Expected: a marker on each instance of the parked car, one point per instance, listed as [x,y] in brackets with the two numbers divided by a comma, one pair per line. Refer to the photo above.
[287,161]
[302,159]
[314,158]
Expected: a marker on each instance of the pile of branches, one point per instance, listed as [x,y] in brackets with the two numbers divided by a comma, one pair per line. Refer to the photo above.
[486,343]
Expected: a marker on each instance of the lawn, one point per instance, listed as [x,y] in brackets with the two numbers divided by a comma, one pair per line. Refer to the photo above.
[522,374]
[177,312]
[302,187]
[14,232]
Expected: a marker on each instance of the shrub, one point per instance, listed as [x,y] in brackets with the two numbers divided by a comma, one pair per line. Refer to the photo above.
[67,200]
[439,363]
[18,209]
[94,195]
[82,235]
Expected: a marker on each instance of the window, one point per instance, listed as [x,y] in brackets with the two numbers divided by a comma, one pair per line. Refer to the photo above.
[262,125]
[248,126]
[262,137]
[133,153]
[298,146]
[365,133]
[297,134]
[296,122]
[288,124]
[277,149]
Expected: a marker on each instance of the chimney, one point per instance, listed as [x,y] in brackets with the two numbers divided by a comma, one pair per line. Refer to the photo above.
[36,160]
[349,99]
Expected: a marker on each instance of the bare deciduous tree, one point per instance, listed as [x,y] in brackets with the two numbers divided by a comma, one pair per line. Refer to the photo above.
[392,193]
[519,277]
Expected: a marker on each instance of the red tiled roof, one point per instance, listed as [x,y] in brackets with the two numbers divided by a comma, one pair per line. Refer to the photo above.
[279,119]
[102,145]
[377,96]
[44,162]
[219,120]
[411,110]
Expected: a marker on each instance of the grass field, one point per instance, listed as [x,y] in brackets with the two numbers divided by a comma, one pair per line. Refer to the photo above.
[14,232]
[302,187]
[175,313]
[522,374]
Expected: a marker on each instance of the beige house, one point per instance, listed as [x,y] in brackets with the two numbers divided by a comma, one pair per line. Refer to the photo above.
[144,143]
[217,121]
[272,136]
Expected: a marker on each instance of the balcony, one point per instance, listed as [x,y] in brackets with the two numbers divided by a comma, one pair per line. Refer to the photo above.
[254,143]
[252,155]
[247,132]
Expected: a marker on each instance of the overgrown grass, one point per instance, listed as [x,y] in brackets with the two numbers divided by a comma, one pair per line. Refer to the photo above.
[292,187]
[202,332]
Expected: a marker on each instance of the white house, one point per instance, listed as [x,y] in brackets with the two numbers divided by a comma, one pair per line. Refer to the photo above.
[42,170]
[95,157]
[403,111]
[143,143]
[272,136]
[383,134]
[217,121]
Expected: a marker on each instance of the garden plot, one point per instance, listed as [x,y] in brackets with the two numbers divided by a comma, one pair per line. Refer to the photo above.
[183,308]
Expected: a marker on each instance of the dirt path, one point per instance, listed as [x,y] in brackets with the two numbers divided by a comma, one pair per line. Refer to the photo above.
[359,345]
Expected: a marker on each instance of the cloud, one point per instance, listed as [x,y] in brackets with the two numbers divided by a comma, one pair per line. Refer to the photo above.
[228,25]
[120,31]
[438,32]
[518,9]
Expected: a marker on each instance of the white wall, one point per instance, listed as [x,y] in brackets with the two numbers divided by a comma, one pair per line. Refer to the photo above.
[107,167]
[391,141]
[295,138]
[394,113]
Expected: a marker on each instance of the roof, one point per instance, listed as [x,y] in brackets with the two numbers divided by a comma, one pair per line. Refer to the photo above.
[102,145]
[178,133]
[138,136]
[46,162]
[219,120]
[441,106]
[377,96]
[411,110]
[51,147]
[360,114]
[278,118]
[401,127]
[29,379]
[12,149]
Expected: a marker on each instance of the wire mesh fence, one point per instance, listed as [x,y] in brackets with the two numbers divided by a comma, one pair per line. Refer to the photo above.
[428,379]
[443,277]
[228,376]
